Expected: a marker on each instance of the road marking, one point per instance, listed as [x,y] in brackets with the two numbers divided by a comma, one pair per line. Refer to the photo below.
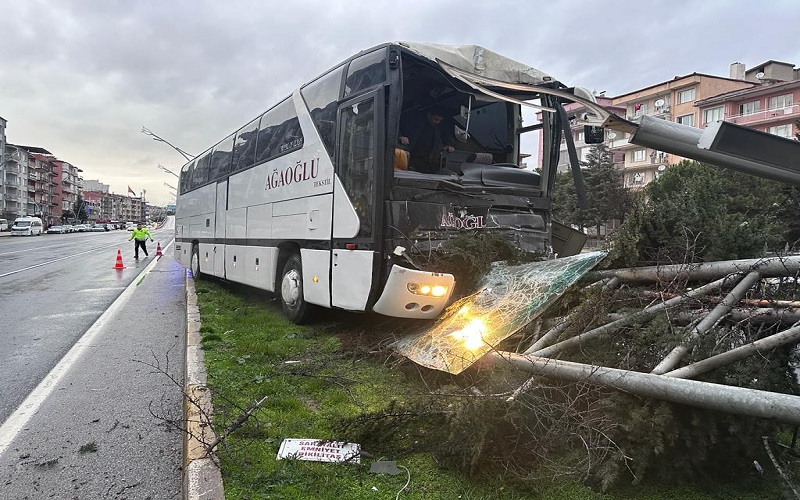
[66,315]
[15,423]
[54,260]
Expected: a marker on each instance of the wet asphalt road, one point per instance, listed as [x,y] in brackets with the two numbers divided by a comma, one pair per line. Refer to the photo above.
[103,430]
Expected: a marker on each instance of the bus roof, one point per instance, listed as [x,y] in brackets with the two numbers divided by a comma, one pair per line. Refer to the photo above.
[480,61]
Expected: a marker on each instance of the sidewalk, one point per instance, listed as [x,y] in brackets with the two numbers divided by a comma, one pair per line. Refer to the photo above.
[107,430]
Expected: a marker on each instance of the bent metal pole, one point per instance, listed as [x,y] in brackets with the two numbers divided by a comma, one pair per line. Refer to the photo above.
[736,400]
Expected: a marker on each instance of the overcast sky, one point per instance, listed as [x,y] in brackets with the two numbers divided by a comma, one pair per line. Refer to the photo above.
[82,77]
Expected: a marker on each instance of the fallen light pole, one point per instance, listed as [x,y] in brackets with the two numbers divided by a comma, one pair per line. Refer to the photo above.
[767,267]
[785,337]
[783,408]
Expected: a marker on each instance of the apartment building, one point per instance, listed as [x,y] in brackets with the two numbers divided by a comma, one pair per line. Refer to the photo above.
[771,106]
[70,185]
[673,100]
[111,206]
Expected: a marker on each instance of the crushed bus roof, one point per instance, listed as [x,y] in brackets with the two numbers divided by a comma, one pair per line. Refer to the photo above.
[480,61]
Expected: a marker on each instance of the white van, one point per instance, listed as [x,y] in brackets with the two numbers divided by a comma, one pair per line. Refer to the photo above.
[3,225]
[27,226]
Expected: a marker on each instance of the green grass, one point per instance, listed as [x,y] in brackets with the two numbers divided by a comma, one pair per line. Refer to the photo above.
[312,383]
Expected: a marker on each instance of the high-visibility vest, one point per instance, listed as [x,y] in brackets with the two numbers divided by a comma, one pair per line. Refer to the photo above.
[141,234]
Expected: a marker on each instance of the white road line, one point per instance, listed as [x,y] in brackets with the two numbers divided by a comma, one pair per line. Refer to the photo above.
[56,260]
[65,315]
[14,424]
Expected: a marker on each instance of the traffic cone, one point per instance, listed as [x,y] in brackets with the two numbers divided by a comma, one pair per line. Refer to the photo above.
[158,250]
[119,264]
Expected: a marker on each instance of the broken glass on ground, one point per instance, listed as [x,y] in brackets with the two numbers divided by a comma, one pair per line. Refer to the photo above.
[510,297]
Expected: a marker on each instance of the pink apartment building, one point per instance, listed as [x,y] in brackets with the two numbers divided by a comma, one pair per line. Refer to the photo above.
[772,105]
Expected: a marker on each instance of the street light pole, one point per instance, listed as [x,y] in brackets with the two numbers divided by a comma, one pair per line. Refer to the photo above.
[147,131]
[165,169]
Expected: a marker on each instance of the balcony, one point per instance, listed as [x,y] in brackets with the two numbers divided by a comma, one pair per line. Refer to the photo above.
[766,116]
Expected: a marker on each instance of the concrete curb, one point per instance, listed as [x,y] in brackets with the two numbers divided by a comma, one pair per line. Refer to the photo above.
[202,478]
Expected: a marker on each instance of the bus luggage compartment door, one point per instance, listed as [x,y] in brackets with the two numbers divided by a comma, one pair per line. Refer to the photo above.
[351,279]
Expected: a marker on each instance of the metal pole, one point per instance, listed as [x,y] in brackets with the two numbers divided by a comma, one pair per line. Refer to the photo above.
[741,352]
[736,400]
[644,315]
[772,266]
[674,357]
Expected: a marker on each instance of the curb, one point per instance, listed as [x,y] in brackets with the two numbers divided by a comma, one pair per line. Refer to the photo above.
[202,478]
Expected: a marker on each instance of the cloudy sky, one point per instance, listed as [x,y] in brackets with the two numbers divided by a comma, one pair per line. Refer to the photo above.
[82,77]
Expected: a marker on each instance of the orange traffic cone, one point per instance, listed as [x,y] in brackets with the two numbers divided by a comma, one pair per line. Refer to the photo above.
[158,250]
[119,264]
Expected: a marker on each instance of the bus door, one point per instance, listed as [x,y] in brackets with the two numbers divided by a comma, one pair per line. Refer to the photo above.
[355,200]
[219,229]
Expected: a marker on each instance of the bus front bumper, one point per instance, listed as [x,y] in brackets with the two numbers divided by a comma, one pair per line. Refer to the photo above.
[410,293]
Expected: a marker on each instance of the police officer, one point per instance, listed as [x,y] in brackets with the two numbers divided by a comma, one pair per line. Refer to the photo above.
[140,234]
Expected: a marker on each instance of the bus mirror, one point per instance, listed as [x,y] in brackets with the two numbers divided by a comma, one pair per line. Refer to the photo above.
[461,134]
[593,135]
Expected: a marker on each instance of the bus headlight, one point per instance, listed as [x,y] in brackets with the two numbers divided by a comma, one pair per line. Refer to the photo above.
[428,290]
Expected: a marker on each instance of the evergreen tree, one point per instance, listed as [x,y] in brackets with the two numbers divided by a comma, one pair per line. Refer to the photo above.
[80,210]
[565,201]
[605,191]
[697,212]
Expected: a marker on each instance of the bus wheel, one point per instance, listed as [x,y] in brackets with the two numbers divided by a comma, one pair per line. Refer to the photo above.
[195,262]
[294,305]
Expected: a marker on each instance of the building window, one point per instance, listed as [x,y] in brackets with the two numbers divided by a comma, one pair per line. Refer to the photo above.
[782,130]
[780,101]
[639,155]
[637,178]
[714,115]
[750,108]
[580,136]
[585,154]
[686,120]
[685,96]
[639,109]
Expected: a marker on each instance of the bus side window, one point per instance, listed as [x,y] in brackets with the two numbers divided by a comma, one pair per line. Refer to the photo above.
[221,159]
[186,177]
[279,132]
[365,72]
[200,175]
[244,147]
[321,97]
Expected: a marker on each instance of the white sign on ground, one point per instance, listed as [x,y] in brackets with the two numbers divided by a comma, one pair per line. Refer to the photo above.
[319,451]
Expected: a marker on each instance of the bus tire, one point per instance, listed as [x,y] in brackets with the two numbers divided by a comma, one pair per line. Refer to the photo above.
[194,263]
[292,302]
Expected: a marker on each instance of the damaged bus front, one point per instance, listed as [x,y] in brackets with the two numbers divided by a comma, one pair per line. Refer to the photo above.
[473,182]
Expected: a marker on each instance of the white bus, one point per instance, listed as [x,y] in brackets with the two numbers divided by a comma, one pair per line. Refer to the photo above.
[316,200]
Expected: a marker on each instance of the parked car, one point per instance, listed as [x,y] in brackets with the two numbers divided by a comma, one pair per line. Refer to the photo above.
[97,228]
[56,230]
[3,224]
[81,228]
[68,228]
[27,226]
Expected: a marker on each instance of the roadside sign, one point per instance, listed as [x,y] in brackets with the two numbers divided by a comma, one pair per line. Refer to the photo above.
[320,451]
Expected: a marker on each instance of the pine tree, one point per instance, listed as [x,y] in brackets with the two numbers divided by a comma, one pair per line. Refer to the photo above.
[606,194]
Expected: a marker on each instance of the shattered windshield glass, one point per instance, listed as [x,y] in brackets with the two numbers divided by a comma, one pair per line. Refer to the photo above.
[510,298]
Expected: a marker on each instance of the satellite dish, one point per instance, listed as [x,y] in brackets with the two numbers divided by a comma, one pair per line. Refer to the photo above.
[661,168]
[760,75]
[659,102]
[612,135]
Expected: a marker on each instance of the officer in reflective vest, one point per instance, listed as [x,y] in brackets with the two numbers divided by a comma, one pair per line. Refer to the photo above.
[140,234]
